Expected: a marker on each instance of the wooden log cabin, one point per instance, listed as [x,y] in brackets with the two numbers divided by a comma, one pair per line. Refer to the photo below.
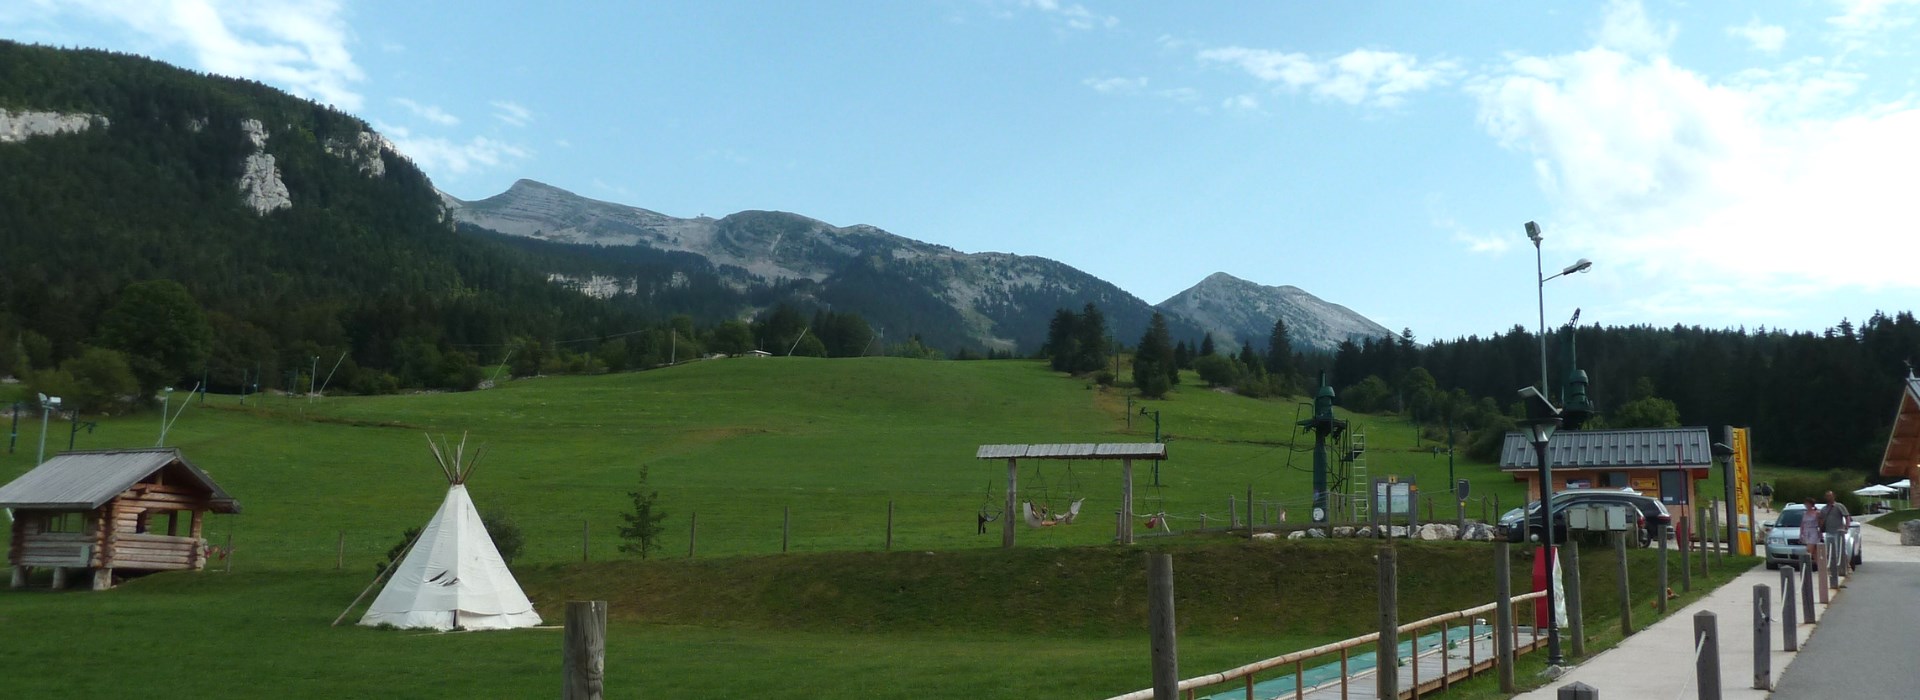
[108,511]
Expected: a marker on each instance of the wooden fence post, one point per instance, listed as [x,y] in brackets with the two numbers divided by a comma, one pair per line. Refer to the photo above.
[1576,609]
[1624,587]
[786,526]
[1685,539]
[583,540]
[1789,613]
[584,652]
[693,531]
[1762,629]
[1706,660]
[889,526]
[1387,653]
[1503,613]
[340,552]
[1664,585]
[1160,623]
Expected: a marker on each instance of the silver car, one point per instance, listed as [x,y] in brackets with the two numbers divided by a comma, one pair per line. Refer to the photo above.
[1783,537]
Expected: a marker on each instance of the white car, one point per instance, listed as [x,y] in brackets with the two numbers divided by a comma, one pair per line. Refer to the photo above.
[1783,537]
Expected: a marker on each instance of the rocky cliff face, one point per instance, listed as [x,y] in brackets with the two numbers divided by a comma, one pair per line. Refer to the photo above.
[20,126]
[1236,311]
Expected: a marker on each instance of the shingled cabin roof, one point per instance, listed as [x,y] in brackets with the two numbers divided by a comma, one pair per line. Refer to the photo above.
[87,480]
[1645,448]
[1903,444]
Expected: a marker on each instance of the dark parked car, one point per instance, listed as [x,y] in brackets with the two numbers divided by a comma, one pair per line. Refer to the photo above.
[1650,516]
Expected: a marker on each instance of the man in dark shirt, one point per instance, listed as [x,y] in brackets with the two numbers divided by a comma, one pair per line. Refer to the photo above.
[1835,522]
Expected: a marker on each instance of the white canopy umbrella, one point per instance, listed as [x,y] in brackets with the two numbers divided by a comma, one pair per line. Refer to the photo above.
[1875,490]
[1902,484]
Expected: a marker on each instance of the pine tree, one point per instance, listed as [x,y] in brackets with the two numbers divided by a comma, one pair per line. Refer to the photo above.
[642,529]
[1206,345]
[1091,335]
[1153,367]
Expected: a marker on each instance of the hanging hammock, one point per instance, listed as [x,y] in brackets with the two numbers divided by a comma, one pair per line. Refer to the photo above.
[1043,518]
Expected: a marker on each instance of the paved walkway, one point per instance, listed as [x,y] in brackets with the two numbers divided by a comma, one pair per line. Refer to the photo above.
[1657,663]
[1864,647]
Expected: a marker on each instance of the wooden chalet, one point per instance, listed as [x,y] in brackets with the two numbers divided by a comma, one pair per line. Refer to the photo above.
[1660,462]
[1902,459]
[110,510]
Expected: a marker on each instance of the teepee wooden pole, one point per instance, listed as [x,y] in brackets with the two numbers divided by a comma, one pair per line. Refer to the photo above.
[440,460]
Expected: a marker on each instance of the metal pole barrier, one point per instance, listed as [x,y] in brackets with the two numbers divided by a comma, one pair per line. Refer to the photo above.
[1789,613]
[1626,596]
[693,531]
[1706,654]
[1762,629]
[1576,611]
[1387,652]
[1160,624]
[889,526]
[1503,614]
[786,526]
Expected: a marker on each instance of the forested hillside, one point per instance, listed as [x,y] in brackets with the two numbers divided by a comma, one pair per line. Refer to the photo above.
[1813,399]
[361,264]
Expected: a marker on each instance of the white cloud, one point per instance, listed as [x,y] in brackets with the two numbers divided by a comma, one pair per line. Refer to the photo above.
[430,113]
[1124,86]
[1074,15]
[297,45]
[1766,38]
[1736,191]
[1361,76]
[1179,94]
[1241,103]
[1626,28]
[445,156]
[511,113]
[1861,16]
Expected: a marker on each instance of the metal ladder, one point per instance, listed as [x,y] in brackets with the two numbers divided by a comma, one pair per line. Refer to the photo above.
[1358,485]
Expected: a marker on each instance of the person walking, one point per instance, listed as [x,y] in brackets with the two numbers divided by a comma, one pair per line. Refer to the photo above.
[1766,495]
[1835,521]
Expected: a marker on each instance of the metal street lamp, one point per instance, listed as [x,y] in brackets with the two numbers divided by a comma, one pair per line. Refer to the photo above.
[1542,419]
[47,405]
[1581,265]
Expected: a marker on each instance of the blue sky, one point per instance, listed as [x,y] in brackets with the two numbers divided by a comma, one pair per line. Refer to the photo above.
[1723,164]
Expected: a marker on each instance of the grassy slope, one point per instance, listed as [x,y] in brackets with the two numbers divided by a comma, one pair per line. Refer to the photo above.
[737,441]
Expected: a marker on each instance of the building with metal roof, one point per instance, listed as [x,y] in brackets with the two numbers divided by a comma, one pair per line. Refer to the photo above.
[1902,458]
[1658,462]
[99,511]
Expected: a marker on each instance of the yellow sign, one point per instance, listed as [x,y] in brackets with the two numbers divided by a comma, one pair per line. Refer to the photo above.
[1742,488]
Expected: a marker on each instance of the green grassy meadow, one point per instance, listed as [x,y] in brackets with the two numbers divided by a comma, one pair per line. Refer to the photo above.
[945,614]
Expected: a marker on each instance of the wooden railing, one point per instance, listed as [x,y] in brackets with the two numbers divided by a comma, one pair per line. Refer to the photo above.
[1298,659]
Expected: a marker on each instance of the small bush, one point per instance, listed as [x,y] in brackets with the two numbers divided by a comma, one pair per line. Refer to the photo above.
[1799,487]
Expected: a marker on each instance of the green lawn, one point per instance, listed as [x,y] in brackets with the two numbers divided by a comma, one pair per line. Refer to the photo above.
[740,442]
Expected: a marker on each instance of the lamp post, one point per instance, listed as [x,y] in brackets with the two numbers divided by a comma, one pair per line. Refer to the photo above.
[1156,439]
[1581,265]
[47,405]
[1542,419]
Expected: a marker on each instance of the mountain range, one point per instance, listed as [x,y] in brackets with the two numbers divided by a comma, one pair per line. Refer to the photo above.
[950,298]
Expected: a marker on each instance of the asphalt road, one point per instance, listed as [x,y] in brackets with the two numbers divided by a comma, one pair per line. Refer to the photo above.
[1864,645]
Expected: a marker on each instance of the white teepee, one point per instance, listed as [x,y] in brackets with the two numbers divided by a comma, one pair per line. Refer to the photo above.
[453,576]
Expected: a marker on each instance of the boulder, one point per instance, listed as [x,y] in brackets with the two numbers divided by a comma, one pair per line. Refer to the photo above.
[1343,531]
[1297,535]
[1436,531]
[1317,533]
[1267,535]
[1910,533]
[1363,531]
